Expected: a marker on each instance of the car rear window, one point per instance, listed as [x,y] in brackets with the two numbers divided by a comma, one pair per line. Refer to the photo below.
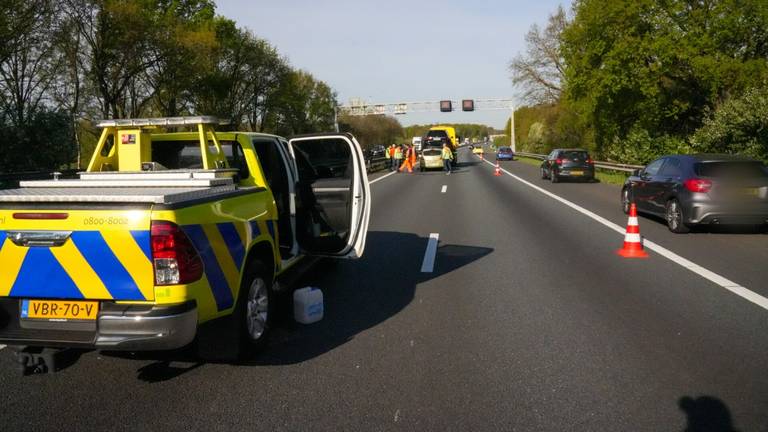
[505,150]
[437,134]
[432,151]
[574,155]
[747,169]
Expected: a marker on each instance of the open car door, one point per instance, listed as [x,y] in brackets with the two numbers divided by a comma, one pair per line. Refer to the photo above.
[333,198]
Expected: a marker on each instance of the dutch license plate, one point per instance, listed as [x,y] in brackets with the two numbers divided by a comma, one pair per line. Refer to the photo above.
[59,310]
[577,172]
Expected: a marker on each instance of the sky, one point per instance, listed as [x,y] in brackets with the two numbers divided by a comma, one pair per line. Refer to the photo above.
[391,51]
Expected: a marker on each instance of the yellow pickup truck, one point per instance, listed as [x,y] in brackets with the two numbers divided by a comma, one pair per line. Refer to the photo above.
[168,235]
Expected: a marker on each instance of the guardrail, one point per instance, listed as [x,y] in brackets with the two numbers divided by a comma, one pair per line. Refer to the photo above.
[598,164]
[376,163]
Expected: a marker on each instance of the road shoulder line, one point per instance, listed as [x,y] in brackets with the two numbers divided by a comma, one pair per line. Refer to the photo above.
[711,276]
[381,178]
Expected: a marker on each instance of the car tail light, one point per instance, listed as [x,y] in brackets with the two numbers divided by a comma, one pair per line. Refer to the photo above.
[558,161]
[590,161]
[698,185]
[175,259]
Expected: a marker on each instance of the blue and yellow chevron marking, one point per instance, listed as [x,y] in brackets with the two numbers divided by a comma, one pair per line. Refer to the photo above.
[255,230]
[98,265]
[234,242]
[271,229]
[222,292]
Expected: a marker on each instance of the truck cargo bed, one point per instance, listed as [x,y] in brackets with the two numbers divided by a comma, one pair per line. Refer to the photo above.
[158,187]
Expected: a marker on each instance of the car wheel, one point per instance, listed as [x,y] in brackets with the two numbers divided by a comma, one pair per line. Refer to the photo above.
[674,217]
[625,201]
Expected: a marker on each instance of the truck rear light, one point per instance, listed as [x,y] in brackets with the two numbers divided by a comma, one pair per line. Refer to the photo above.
[698,185]
[176,261]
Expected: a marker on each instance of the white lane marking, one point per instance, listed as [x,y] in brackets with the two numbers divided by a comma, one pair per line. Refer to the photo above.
[713,277]
[445,188]
[2,346]
[428,265]
[382,177]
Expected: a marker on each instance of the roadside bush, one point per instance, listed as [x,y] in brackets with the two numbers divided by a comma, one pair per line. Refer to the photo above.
[739,126]
[639,147]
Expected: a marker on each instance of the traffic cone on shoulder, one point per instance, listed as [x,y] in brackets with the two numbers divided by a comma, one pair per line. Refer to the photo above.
[633,245]
[497,170]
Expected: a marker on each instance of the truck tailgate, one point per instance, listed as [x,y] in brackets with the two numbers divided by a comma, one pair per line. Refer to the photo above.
[98,253]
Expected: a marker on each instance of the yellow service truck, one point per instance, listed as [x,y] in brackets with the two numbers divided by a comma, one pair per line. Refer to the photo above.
[173,237]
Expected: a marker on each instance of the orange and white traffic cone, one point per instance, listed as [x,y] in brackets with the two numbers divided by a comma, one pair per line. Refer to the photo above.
[633,245]
[497,170]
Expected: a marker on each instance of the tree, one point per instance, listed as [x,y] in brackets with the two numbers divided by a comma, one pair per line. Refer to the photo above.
[652,70]
[372,130]
[29,69]
[541,71]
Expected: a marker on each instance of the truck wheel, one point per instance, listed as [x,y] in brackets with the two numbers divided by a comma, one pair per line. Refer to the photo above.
[255,310]
[241,334]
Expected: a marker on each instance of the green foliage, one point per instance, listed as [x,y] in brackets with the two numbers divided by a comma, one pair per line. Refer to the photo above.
[43,142]
[373,130]
[91,59]
[739,126]
[643,74]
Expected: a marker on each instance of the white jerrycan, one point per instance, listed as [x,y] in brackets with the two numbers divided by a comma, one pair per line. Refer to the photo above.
[308,305]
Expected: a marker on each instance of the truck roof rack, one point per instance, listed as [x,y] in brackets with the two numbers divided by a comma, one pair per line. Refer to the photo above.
[162,121]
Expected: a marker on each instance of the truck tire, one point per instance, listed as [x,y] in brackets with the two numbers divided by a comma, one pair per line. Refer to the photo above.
[233,338]
[255,310]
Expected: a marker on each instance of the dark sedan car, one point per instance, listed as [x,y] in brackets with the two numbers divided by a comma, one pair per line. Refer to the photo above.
[568,163]
[700,189]
[505,153]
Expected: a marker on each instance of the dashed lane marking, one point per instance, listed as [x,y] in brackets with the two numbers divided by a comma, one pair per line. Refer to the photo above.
[711,276]
[445,188]
[2,346]
[428,265]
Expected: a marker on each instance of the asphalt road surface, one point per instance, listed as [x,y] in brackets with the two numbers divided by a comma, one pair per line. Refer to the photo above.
[527,321]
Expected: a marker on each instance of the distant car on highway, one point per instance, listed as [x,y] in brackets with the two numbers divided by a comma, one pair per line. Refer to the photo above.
[568,163]
[505,153]
[478,150]
[431,158]
[378,151]
[690,190]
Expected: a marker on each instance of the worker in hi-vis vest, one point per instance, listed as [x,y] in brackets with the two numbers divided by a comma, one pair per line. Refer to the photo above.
[398,158]
[447,155]
[410,160]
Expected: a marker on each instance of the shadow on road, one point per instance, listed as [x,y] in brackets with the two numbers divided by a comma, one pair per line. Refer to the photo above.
[706,414]
[358,295]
